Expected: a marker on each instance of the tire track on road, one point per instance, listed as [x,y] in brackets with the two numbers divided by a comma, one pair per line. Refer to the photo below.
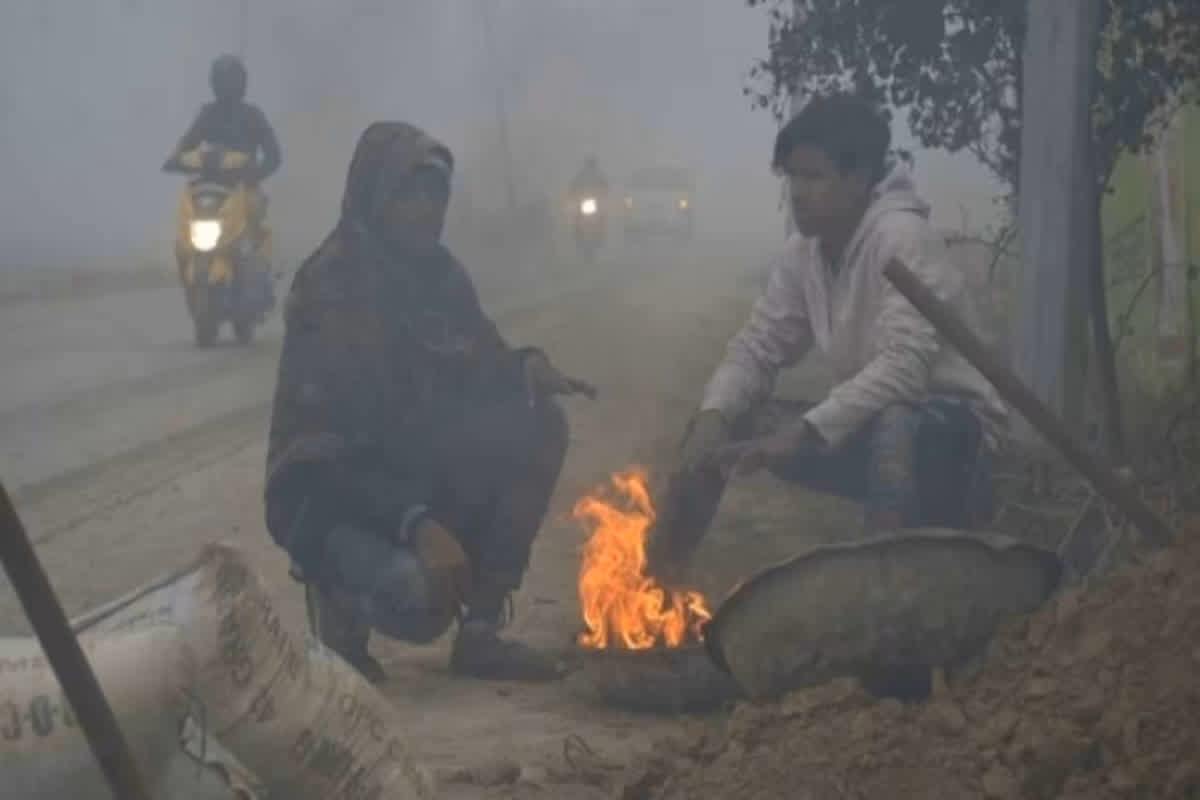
[62,503]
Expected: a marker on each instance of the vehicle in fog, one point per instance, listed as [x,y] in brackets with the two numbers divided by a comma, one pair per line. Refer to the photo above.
[590,225]
[222,246]
[659,203]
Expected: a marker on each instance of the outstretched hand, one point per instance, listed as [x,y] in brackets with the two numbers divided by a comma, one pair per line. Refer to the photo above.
[745,458]
[543,380]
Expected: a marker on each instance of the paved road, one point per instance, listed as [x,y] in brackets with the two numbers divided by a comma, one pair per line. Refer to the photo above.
[113,428]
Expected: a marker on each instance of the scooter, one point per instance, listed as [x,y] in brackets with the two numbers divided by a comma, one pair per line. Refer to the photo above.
[223,246]
[590,227]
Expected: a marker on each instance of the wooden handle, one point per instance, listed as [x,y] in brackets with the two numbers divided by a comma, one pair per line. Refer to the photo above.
[1105,480]
[66,657]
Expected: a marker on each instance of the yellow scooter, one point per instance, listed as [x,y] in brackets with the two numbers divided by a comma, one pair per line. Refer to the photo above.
[223,246]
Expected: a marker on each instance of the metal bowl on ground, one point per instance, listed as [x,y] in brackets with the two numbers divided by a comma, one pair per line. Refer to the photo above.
[661,680]
[894,604]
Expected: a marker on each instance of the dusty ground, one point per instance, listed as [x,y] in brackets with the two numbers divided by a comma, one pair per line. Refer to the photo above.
[1096,696]
[119,480]
[129,470]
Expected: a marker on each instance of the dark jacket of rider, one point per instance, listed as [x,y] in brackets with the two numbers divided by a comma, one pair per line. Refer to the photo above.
[231,123]
[589,180]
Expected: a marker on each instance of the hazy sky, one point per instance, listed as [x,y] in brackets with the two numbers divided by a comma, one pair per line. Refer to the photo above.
[96,93]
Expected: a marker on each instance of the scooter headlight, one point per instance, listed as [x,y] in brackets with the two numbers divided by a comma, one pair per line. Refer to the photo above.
[589,206]
[205,233]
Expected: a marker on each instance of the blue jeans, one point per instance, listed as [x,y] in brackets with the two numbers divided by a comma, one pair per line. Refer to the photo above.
[911,466]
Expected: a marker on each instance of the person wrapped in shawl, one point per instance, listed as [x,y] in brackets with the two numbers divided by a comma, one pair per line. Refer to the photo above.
[412,451]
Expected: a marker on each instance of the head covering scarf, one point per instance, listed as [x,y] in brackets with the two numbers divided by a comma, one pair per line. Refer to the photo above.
[378,343]
[387,153]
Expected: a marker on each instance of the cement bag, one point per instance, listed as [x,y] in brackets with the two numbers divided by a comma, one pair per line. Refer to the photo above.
[43,753]
[921,598]
[297,716]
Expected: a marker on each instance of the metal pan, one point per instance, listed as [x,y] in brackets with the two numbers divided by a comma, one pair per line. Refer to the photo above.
[901,603]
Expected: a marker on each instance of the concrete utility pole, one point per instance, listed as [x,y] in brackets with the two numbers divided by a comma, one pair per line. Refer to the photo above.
[1055,217]
[243,31]
[493,68]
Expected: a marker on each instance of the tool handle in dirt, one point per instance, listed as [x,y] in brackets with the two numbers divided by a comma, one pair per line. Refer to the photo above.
[1106,482]
[67,658]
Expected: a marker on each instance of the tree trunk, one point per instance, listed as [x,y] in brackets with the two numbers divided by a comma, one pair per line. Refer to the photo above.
[1055,208]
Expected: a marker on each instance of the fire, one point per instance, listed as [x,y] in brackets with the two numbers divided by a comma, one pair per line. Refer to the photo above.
[622,606]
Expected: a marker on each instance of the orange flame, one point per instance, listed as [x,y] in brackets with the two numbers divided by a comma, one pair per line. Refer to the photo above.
[622,606]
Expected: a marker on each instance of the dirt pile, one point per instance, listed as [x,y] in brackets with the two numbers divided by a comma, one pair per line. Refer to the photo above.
[1096,696]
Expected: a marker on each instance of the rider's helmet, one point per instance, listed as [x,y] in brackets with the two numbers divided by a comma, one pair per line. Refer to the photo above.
[227,77]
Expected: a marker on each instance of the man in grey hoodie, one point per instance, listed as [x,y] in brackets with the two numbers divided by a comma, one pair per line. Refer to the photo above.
[909,425]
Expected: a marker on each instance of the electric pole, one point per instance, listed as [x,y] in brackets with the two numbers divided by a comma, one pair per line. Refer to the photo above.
[243,37]
[493,69]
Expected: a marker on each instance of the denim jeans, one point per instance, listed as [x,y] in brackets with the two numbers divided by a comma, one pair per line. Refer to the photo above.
[923,465]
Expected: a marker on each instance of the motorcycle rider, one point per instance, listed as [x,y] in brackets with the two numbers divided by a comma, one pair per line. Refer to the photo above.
[590,181]
[229,123]
[909,428]
[412,450]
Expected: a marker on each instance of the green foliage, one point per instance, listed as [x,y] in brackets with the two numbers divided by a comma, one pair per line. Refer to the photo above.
[954,67]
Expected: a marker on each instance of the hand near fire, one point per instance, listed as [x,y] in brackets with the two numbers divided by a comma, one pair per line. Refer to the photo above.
[543,380]
[745,458]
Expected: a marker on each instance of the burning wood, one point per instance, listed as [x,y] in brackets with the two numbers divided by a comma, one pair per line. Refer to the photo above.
[623,607]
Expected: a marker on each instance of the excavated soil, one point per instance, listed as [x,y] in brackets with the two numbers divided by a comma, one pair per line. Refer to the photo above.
[1096,696]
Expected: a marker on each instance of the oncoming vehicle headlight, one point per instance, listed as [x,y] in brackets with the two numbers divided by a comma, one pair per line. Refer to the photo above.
[588,206]
[205,233]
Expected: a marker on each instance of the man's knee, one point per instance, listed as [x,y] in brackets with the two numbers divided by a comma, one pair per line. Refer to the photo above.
[389,585]
[896,423]
[893,438]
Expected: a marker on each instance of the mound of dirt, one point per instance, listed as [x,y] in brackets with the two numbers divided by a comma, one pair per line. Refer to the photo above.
[1096,696]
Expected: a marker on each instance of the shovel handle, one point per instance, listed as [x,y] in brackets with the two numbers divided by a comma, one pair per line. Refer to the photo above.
[67,658]
[1107,483]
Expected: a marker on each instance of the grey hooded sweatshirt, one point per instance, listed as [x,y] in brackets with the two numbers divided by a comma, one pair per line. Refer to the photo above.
[881,348]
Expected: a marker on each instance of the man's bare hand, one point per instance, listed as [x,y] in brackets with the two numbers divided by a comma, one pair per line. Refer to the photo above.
[669,539]
[707,433]
[745,458]
[445,561]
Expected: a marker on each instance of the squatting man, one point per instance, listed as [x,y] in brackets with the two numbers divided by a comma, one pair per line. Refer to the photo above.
[909,427]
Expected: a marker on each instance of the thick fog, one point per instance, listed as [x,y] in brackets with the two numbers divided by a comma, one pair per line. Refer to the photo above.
[96,94]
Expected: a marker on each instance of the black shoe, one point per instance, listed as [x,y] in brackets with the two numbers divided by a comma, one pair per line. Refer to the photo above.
[479,652]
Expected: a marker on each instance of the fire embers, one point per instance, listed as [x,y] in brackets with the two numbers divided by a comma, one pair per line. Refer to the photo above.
[623,607]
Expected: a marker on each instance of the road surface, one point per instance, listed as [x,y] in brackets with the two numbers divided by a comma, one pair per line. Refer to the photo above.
[127,450]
